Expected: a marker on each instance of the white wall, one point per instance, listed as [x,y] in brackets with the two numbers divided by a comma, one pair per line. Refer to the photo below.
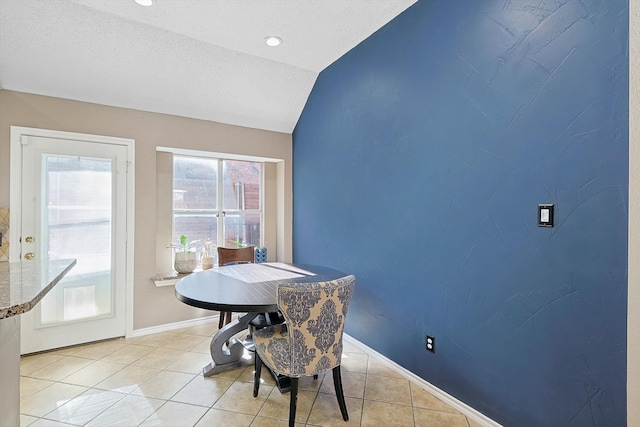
[153,306]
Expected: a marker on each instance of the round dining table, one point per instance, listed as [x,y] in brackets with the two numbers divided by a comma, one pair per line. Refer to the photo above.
[247,289]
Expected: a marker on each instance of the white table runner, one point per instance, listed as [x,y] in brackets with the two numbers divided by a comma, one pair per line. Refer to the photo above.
[263,272]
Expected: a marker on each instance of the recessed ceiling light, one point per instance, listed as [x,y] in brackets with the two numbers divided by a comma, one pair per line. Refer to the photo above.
[273,41]
[144,2]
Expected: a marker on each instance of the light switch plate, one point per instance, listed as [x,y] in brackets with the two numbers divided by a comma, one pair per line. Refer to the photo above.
[545,215]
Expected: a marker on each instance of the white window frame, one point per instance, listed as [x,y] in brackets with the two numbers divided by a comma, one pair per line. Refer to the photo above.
[219,211]
[271,198]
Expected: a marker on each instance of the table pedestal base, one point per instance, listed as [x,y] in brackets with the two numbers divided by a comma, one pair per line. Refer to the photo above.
[233,356]
[212,368]
[226,357]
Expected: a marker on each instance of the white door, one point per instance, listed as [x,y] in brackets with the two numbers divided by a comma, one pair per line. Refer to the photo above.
[74,205]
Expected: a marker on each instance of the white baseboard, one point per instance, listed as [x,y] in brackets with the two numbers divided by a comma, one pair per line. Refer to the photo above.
[172,326]
[462,407]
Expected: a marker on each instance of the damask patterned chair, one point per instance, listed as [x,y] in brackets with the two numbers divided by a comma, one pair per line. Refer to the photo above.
[310,340]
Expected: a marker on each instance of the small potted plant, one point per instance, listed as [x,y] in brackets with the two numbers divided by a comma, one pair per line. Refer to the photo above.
[185,256]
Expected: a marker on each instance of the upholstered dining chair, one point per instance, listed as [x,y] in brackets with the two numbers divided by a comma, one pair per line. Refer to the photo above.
[233,256]
[310,340]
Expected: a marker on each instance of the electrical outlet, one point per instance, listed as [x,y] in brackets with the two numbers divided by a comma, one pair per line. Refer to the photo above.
[431,344]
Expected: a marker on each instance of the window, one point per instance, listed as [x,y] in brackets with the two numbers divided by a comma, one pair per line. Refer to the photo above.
[217,200]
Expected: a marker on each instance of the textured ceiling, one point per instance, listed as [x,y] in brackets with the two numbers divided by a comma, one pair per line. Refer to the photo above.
[204,59]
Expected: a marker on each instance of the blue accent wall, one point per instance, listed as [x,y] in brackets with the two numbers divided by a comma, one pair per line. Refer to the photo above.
[419,163]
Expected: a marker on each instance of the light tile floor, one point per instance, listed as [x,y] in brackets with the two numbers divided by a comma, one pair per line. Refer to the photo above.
[156,380]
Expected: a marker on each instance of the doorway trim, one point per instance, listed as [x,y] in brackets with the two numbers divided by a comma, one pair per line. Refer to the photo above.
[15,214]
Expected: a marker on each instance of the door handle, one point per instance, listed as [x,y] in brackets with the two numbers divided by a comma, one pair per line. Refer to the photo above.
[29,239]
[29,255]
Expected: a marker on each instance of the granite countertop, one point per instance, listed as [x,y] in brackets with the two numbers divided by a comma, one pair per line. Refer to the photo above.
[24,284]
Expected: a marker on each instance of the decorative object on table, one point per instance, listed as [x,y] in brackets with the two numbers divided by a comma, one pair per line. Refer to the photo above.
[185,260]
[209,255]
[310,340]
[261,254]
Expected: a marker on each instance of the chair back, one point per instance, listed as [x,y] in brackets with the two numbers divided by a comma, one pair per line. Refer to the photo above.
[315,314]
[236,255]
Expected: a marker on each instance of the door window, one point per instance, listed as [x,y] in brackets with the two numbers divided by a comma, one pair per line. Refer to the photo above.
[77,224]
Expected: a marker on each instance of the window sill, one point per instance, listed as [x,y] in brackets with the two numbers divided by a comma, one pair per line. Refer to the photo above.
[170,279]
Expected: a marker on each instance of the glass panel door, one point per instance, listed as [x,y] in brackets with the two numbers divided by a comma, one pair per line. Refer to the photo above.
[74,205]
[77,223]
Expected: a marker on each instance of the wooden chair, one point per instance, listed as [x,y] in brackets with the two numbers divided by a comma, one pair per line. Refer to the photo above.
[236,255]
[310,341]
[233,256]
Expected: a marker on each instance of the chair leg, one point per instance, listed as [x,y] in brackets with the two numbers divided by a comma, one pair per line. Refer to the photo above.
[293,403]
[256,374]
[337,382]
[221,319]
[228,318]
